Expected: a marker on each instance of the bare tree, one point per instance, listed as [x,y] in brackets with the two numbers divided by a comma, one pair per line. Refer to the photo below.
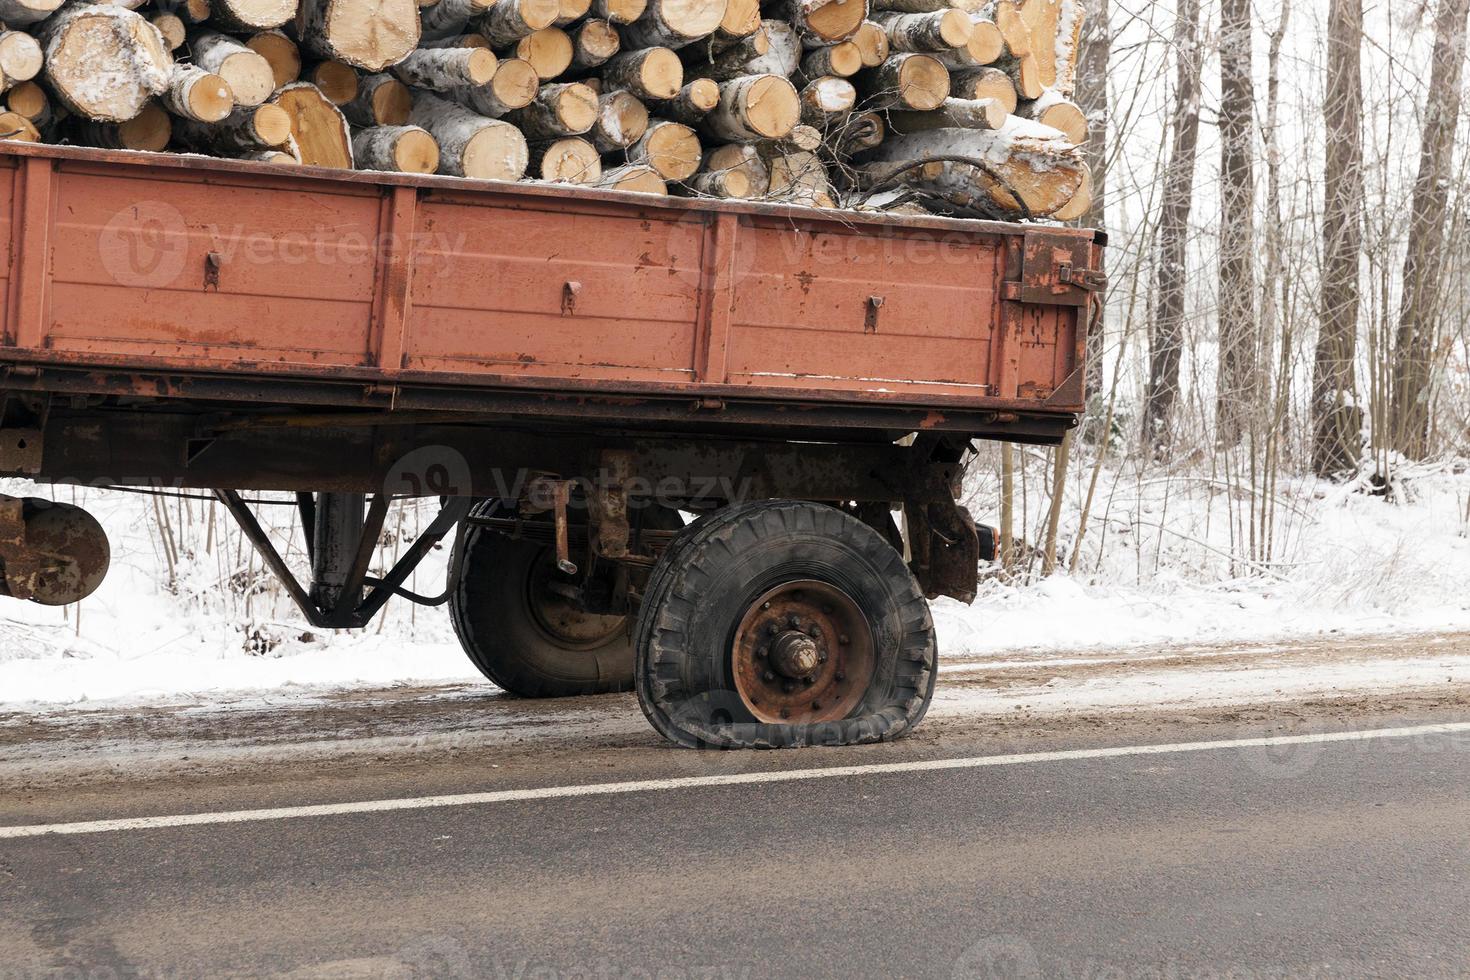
[1092,97]
[1419,314]
[1337,420]
[1239,354]
[1166,341]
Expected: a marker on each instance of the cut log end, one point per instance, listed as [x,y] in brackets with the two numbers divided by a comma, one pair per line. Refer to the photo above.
[570,160]
[86,43]
[986,45]
[496,153]
[672,149]
[337,81]
[834,20]
[757,107]
[149,130]
[18,129]
[923,83]
[271,124]
[317,126]
[1080,202]
[281,53]
[619,11]
[28,99]
[548,50]
[173,29]
[406,149]
[872,42]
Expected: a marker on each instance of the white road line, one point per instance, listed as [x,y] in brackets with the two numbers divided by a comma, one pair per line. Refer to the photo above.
[734,779]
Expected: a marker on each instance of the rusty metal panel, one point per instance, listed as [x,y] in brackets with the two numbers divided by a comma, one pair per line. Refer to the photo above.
[207,270]
[572,292]
[841,308]
[10,190]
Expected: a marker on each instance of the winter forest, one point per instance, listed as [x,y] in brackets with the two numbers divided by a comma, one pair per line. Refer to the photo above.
[1278,434]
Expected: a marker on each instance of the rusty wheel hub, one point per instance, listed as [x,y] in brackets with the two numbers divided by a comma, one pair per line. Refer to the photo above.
[548,598]
[803,653]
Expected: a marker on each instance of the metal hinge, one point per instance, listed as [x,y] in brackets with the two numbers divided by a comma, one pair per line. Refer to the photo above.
[1093,280]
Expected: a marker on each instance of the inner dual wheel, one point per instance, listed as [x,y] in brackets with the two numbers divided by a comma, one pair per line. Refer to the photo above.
[783,623]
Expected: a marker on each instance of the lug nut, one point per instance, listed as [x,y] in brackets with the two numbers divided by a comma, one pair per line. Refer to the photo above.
[841,676]
[809,681]
[768,676]
[821,658]
[760,653]
[794,620]
[842,639]
[816,705]
[789,686]
[765,605]
[814,632]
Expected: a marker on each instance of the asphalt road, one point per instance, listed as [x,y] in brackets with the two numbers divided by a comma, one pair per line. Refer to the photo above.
[1324,859]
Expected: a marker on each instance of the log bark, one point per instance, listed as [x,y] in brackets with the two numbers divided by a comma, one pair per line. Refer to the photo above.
[381,100]
[671,149]
[1337,421]
[733,60]
[276,157]
[570,160]
[445,69]
[911,81]
[619,11]
[149,130]
[1054,110]
[723,184]
[1071,28]
[649,73]
[247,129]
[858,132]
[450,18]
[691,103]
[404,149]
[366,34]
[249,75]
[757,107]
[322,136]
[985,83]
[20,59]
[825,100]
[944,30]
[843,59]
[248,16]
[196,94]
[593,43]
[337,81]
[1417,338]
[566,109]
[280,52]
[19,13]
[104,62]
[549,51]
[513,87]
[1166,336]
[510,20]
[952,114]
[471,145]
[1022,159]
[1238,384]
[783,52]
[1091,72]
[633,177]
[621,119]
[457,41]
[675,23]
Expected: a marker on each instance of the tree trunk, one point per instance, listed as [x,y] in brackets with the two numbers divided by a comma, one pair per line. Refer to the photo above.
[842,59]
[173,29]
[448,18]
[1054,110]
[739,158]
[405,149]
[619,11]
[86,42]
[570,160]
[249,75]
[649,73]
[825,100]
[758,107]
[1166,343]
[1421,310]
[1238,385]
[149,130]
[622,119]
[18,13]
[366,34]
[382,100]
[471,145]
[670,148]
[872,42]
[337,81]
[1089,72]
[953,114]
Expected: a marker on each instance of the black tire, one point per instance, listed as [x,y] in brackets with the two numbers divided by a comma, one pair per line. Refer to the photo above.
[709,584]
[515,633]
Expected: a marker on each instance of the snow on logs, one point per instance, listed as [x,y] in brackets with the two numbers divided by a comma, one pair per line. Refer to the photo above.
[963,105]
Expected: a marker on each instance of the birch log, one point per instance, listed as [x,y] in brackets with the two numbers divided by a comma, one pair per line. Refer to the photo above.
[366,34]
[1054,110]
[549,51]
[449,18]
[842,59]
[671,149]
[570,160]
[196,94]
[247,129]
[739,158]
[337,81]
[821,22]
[675,23]
[322,136]
[18,13]
[280,52]
[565,109]
[593,42]
[872,42]
[20,59]
[907,80]
[943,30]
[633,177]
[757,107]
[953,114]
[247,16]
[406,149]
[733,60]
[619,11]
[445,69]
[249,75]
[149,130]
[984,83]
[173,29]
[824,100]
[381,100]
[622,118]
[471,145]
[104,62]
[513,87]
[510,20]
[692,102]
[649,73]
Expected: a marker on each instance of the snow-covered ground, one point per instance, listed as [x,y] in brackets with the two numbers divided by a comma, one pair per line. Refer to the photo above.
[188,611]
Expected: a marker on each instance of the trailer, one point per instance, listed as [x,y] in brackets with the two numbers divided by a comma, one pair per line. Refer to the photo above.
[668,436]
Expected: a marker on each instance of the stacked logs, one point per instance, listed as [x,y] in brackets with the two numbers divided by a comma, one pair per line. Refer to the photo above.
[959,106]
